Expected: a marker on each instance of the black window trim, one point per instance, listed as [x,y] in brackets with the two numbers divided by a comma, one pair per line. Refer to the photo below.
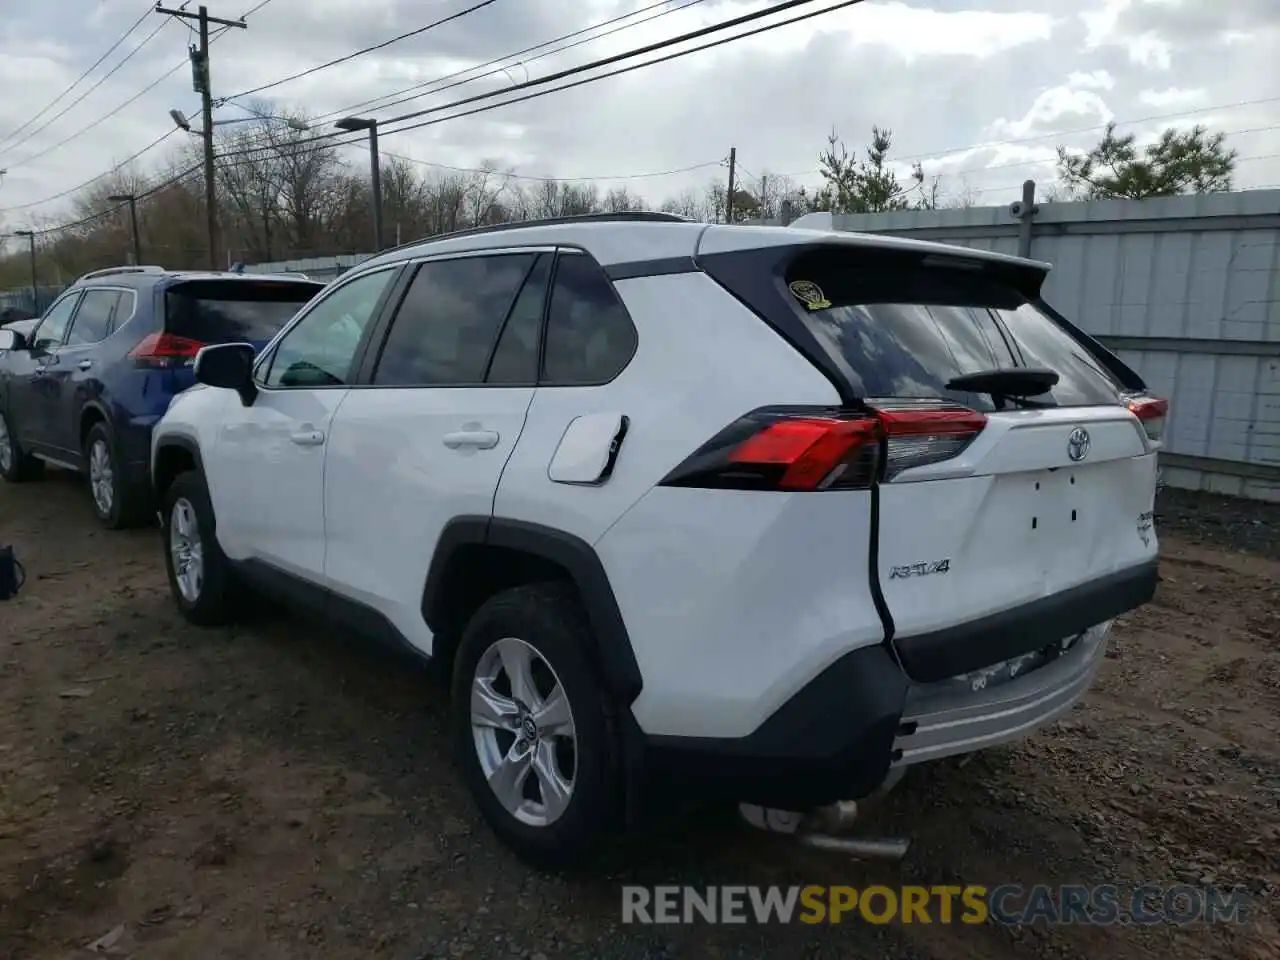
[364,378]
[546,320]
[262,364]
[380,327]
[114,324]
[76,292]
[542,323]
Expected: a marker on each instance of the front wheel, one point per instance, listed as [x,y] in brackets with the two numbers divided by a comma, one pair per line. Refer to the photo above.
[15,464]
[200,577]
[531,725]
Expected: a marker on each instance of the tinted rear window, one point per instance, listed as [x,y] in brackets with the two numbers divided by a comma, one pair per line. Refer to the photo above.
[906,331]
[220,311]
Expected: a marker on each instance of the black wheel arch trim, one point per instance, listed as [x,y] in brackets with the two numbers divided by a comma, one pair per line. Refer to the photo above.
[613,651]
[181,441]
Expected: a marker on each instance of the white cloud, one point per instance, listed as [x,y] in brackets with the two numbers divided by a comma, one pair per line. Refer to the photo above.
[1093,80]
[1055,109]
[945,75]
[1172,98]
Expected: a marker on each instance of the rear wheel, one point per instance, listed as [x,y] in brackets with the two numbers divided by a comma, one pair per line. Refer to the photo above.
[117,503]
[15,464]
[531,725]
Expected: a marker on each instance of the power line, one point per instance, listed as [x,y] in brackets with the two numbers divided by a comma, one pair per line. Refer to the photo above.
[359,53]
[92,180]
[666,11]
[78,80]
[80,99]
[150,192]
[329,141]
[530,177]
[627,55]
[648,48]
[185,62]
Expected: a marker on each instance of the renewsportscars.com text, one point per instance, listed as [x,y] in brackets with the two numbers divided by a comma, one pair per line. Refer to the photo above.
[972,904]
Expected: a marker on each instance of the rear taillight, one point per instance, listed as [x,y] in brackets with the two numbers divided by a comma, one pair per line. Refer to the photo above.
[793,448]
[164,350]
[1151,411]
[916,435]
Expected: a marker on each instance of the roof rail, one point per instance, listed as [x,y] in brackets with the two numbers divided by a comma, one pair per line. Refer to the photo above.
[108,271]
[629,216]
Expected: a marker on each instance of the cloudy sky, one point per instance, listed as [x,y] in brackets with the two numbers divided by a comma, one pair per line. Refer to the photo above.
[981,91]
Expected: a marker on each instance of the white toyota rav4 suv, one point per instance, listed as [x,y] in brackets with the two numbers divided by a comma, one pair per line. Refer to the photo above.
[768,512]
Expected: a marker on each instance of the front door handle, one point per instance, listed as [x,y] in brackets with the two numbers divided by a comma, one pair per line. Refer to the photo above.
[85,364]
[307,438]
[476,439]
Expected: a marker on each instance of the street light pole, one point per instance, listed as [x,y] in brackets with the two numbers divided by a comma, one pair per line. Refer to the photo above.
[133,223]
[351,124]
[35,295]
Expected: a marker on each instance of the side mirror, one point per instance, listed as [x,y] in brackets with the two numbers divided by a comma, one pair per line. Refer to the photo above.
[229,366]
[12,340]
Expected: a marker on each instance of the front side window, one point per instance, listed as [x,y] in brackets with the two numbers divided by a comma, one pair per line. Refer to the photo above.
[53,327]
[445,329]
[92,323]
[320,350]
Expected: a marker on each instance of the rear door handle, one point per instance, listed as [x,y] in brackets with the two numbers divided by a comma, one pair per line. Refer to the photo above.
[307,438]
[477,439]
[85,364]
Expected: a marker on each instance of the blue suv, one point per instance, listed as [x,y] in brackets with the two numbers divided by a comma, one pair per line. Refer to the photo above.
[83,387]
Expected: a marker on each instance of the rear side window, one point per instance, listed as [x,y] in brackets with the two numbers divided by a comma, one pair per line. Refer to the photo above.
[590,337]
[225,311]
[92,322]
[906,330]
[449,320]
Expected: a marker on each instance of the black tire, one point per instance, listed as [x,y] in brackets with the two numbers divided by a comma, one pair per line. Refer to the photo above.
[18,466]
[128,502]
[549,618]
[215,602]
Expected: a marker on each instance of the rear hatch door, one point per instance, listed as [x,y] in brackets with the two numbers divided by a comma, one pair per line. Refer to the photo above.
[986,503]
[1054,490]
[210,310]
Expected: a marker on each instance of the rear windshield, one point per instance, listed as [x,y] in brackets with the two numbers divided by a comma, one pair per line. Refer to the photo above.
[221,311]
[907,330]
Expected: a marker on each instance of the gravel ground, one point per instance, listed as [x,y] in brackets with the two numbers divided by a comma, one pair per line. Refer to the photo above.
[277,791]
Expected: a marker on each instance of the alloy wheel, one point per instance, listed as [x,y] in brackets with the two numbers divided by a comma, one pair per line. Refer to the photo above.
[524,734]
[186,550]
[102,477]
[6,446]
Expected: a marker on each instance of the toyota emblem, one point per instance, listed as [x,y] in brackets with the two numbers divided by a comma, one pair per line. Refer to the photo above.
[1078,444]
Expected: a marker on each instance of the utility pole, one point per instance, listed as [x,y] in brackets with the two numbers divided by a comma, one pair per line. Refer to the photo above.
[203,86]
[35,289]
[130,199]
[728,200]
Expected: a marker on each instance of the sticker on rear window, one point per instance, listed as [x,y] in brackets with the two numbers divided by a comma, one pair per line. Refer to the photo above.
[810,294]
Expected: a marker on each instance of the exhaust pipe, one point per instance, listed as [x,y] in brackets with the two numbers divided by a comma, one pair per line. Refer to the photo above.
[820,829]
[863,849]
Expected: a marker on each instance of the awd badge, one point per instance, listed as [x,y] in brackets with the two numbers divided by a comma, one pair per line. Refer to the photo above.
[809,293]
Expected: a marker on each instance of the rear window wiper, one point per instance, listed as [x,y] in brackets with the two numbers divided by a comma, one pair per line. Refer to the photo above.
[1012,384]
